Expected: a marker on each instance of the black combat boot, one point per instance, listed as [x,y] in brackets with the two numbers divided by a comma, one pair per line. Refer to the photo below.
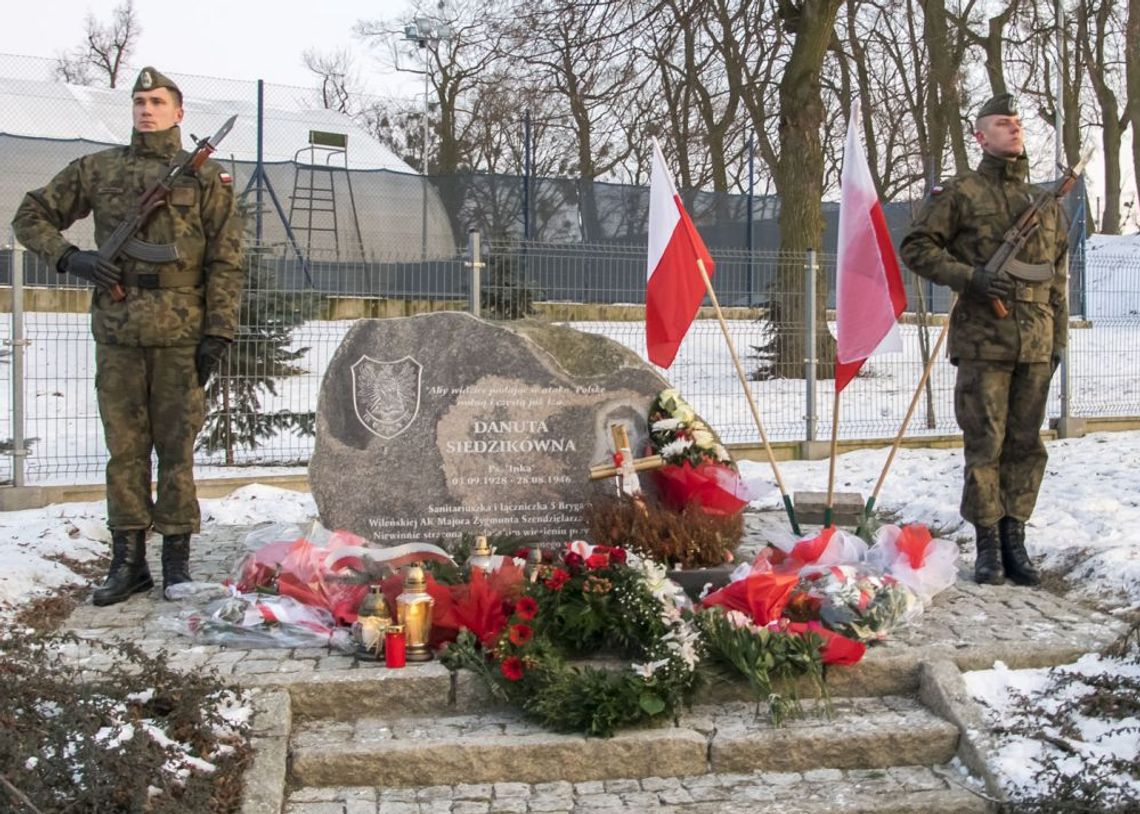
[175,560]
[987,568]
[1016,562]
[128,573]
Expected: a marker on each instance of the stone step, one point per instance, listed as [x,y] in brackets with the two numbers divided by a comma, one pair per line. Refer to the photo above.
[898,790]
[354,690]
[500,746]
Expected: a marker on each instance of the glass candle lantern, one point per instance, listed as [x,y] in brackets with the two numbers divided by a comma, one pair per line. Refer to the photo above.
[372,620]
[482,556]
[414,612]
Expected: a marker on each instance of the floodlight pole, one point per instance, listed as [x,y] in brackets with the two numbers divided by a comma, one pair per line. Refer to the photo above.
[424,197]
[421,31]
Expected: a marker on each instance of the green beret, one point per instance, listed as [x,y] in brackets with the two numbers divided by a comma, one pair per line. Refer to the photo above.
[1004,104]
[149,79]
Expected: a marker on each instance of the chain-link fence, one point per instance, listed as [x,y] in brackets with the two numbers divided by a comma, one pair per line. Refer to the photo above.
[598,289]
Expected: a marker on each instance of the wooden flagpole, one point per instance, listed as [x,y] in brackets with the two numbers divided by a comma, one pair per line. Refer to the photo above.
[867,509]
[788,507]
[827,510]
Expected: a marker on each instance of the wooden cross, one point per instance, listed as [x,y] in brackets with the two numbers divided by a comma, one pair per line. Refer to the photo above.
[625,467]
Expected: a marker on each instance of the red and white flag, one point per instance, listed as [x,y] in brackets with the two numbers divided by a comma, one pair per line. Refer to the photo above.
[869,289]
[674,289]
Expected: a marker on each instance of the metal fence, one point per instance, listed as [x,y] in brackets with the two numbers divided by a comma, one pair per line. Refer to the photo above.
[598,289]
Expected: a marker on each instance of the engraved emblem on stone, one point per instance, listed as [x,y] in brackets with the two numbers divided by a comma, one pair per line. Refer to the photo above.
[386,395]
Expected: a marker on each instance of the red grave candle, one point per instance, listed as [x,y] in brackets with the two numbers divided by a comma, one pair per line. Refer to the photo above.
[395,647]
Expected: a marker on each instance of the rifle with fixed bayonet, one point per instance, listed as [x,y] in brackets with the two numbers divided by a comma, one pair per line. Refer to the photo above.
[1005,258]
[123,241]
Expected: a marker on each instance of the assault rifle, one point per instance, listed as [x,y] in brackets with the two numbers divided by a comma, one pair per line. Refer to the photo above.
[1005,258]
[123,241]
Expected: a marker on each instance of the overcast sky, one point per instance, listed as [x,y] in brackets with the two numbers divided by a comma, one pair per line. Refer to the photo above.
[235,40]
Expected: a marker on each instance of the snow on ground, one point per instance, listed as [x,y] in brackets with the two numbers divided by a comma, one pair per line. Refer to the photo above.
[1021,706]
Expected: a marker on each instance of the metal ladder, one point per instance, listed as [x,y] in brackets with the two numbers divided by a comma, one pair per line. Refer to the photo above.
[313,204]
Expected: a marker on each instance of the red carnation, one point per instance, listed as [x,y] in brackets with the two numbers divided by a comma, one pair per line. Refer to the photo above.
[521,634]
[597,561]
[526,608]
[617,555]
[572,559]
[557,579]
[512,668]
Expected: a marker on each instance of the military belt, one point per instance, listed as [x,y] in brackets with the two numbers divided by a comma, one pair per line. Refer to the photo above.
[168,279]
[1031,293]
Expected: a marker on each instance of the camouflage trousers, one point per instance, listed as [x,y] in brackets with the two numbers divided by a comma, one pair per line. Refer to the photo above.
[1000,407]
[149,398]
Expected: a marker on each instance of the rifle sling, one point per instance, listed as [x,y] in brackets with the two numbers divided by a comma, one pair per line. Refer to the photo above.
[165,279]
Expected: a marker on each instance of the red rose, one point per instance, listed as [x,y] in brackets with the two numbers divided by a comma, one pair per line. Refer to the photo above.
[512,668]
[572,560]
[617,555]
[597,561]
[526,608]
[557,579]
[521,634]
[522,553]
[601,549]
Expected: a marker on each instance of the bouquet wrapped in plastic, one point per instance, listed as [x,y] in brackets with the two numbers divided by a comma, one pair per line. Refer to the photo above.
[260,620]
[912,556]
[859,602]
[332,574]
[832,546]
[698,468]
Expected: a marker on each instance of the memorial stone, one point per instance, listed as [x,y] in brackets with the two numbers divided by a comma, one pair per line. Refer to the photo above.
[439,424]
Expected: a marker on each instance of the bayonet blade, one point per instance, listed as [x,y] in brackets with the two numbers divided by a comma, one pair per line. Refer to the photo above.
[216,139]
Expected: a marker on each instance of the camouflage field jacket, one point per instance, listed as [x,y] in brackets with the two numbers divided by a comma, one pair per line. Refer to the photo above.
[959,229]
[200,219]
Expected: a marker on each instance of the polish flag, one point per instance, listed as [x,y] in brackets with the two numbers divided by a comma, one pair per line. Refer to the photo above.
[869,289]
[674,289]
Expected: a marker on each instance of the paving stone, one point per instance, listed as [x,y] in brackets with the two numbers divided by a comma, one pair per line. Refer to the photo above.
[509,805]
[548,803]
[561,787]
[471,807]
[393,807]
[472,791]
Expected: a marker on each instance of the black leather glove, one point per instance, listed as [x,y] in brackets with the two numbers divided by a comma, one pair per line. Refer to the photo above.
[91,267]
[208,356]
[1054,362]
[987,285]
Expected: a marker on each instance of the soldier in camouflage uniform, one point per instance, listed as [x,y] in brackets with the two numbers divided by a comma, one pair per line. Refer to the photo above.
[156,349]
[1004,364]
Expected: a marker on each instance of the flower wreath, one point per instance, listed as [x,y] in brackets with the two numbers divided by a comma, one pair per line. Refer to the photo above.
[679,435]
[589,599]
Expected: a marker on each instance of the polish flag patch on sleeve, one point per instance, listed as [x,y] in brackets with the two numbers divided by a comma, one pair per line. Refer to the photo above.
[225,178]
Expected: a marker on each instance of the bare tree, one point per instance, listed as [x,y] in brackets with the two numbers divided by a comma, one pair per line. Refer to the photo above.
[339,89]
[582,54]
[992,42]
[1132,71]
[799,183]
[1098,29]
[946,53]
[106,49]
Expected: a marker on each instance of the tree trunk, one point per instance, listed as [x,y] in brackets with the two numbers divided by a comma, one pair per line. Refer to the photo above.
[799,184]
[1132,73]
[1112,132]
